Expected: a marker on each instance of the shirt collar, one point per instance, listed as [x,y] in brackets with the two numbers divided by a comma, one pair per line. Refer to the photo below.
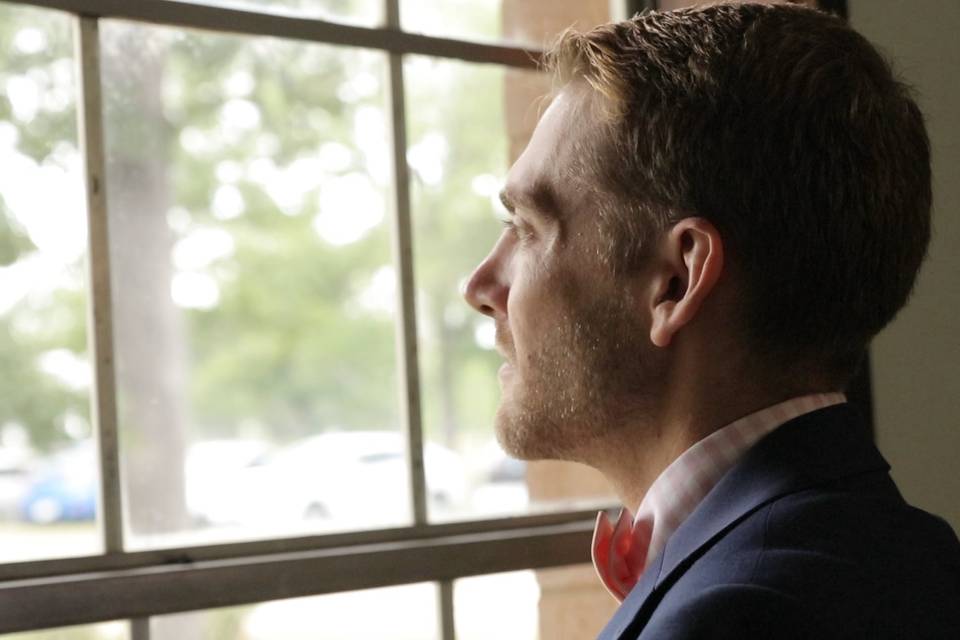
[621,552]
[687,480]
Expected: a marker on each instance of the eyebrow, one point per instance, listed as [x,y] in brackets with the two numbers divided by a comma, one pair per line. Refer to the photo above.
[541,200]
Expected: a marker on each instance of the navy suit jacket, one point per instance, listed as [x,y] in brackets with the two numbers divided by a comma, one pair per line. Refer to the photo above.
[806,537]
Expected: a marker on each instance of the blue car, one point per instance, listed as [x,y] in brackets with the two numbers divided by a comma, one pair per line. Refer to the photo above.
[64,488]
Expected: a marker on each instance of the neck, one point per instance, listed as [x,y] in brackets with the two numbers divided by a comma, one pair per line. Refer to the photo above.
[686,414]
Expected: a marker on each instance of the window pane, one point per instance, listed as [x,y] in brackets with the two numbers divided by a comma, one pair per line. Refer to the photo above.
[363,12]
[408,612]
[47,460]
[104,631]
[513,596]
[254,290]
[466,121]
[562,602]
[530,23]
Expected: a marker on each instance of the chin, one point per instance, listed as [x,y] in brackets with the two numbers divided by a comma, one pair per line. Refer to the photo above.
[559,407]
[528,436]
[513,435]
[516,446]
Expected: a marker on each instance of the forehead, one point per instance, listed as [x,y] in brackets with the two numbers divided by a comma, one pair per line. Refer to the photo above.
[542,178]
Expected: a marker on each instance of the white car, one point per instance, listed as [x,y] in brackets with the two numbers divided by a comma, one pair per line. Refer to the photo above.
[208,463]
[347,479]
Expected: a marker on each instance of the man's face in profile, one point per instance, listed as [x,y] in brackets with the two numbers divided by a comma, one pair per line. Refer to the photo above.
[571,347]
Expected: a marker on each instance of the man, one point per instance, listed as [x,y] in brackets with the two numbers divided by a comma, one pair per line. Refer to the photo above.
[717,212]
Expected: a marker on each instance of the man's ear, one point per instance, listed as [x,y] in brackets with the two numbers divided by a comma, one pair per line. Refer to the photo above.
[689,261]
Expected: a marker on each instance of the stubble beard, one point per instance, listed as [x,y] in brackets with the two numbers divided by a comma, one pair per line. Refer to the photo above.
[575,392]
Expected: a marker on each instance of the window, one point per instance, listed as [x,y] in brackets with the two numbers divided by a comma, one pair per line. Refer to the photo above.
[241,377]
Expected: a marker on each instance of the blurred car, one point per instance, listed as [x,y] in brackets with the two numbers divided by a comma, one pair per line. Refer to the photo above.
[348,478]
[63,488]
[501,487]
[15,467]
[207,463]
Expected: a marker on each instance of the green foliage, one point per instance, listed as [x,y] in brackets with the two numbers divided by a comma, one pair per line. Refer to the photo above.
[37,323]
[288,346]
[14,241]
[285,347]
[454,228]
[50,126]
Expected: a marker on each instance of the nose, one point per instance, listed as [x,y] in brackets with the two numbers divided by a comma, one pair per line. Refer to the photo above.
[487,287]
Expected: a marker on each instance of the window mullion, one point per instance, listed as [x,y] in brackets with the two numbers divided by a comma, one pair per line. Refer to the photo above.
[172,588]
[403,250]
[392,14]
[448,629]
[100,323]
[140,629]
[215,18]
[407,319]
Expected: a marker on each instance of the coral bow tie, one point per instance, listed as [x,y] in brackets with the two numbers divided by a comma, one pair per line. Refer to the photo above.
[620,551]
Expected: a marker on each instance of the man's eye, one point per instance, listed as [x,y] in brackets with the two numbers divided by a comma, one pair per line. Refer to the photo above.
[519,229]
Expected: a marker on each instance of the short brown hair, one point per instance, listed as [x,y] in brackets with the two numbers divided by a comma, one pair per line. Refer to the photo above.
[788,131]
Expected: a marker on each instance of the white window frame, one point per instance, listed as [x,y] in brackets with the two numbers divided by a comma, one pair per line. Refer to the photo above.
[134,585]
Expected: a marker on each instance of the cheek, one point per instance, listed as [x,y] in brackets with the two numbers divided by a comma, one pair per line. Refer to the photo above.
[528,294]
[536,305]
[522,316]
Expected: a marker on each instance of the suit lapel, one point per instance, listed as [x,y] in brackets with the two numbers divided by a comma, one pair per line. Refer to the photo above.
[813,449]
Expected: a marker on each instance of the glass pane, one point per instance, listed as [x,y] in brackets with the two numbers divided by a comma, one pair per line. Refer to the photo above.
[254,290]
[562,602]
[47,461]
[529,23]
[104,631]
[408,612]
[466,121]
[363,12]
[513,596]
